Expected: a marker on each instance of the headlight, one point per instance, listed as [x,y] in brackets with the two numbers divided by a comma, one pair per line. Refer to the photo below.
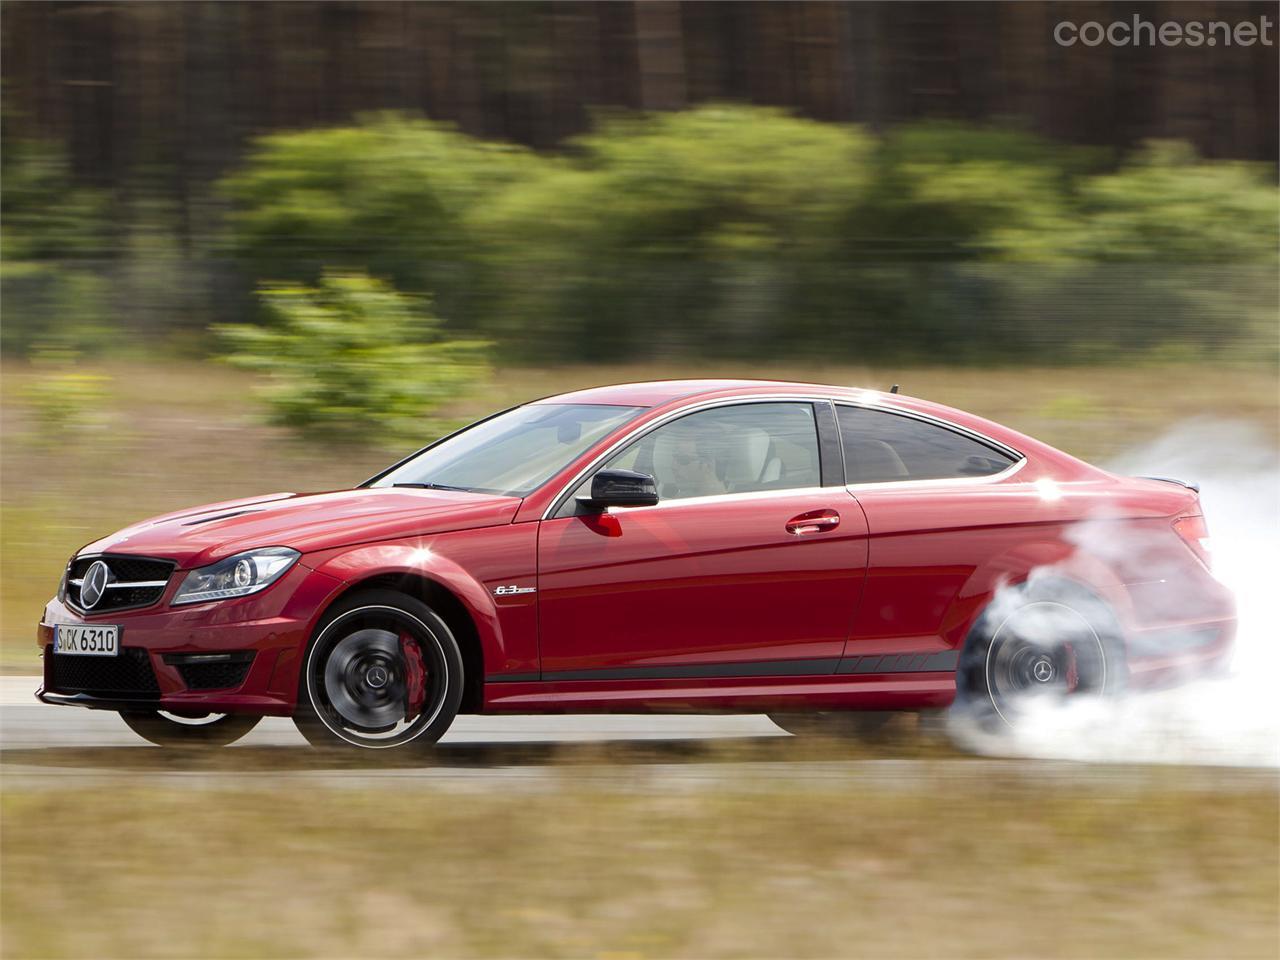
[237,576]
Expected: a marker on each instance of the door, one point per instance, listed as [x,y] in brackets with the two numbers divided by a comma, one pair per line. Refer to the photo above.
[747,565]
[927,538]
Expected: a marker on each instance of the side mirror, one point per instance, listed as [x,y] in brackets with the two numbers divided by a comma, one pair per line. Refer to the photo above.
[621,488]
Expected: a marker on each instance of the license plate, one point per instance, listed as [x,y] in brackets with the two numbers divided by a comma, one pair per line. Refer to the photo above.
[86,641]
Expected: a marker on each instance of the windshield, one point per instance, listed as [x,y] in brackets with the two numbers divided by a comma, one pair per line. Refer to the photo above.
[513,453]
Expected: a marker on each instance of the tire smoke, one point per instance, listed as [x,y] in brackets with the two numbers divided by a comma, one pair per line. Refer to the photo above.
[1233,720]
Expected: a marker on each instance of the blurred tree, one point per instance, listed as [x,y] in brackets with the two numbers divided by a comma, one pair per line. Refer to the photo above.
[190,83]
[54,241]
[1196,242]
[354,360]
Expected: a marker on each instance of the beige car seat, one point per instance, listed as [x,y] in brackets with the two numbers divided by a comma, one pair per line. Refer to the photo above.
[750,462]
[873,461]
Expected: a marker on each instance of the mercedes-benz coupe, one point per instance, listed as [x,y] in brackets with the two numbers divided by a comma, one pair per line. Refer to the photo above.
[822,554]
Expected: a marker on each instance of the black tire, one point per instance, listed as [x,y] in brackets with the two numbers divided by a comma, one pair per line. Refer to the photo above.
[382,671]
[1039,645]
[849,724]
[171,730]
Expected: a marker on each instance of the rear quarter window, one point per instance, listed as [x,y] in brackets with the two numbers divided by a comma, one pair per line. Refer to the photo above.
[882,447]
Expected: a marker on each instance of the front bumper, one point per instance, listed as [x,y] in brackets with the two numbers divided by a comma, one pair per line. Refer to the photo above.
[265,635]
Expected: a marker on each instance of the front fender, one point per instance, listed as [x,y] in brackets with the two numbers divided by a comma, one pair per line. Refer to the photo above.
[470,565]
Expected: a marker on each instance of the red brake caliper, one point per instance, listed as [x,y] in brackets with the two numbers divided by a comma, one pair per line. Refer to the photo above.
[415,676]
[1073,676]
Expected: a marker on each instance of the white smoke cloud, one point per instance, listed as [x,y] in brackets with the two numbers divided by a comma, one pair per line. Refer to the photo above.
[1234,720]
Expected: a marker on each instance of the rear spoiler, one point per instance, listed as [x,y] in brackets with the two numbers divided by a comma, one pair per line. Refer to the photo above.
[1181,483]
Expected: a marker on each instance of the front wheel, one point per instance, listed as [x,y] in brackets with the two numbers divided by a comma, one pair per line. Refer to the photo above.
[382,671]
[174,730]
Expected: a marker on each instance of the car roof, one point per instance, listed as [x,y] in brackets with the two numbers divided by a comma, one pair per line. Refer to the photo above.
[654,393]
[659,393]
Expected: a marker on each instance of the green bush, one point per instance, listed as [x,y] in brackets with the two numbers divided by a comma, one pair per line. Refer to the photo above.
[64,397]
[389,196]
[951,192]
[1166,205]
[353,360]
[952,214]
[1171,251]
[736,231]
[702,232]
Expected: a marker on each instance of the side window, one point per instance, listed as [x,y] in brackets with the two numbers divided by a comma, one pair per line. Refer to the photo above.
[880,447]
[738,449]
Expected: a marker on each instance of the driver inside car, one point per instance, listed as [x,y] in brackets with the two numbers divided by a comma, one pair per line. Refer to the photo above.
[693,471]
[684,465]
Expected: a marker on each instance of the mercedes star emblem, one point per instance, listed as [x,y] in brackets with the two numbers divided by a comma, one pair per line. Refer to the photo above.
[94,584]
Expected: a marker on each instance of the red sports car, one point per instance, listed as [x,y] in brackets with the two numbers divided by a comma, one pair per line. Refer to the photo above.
[823,554]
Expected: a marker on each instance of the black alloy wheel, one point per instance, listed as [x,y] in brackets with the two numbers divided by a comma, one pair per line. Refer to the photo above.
[382,671]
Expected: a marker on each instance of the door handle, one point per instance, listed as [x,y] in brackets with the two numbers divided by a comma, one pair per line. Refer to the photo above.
[815,521]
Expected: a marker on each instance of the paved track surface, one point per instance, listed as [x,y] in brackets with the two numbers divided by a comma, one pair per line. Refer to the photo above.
[44,747]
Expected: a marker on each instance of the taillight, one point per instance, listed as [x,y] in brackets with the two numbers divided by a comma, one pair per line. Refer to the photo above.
[1194,532]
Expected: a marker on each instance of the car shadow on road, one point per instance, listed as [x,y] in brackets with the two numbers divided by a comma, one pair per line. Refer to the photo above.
[143,758]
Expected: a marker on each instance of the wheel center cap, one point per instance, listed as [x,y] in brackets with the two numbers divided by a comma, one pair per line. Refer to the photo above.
[376,677]
[1043,670]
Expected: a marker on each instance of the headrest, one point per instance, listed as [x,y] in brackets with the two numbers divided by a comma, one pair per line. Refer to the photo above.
[873,461]
[744,456]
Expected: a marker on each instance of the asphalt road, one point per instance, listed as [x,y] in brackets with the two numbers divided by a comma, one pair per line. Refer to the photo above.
[29,724]
[45,747]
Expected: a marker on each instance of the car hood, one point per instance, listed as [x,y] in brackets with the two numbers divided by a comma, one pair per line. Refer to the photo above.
[305,522]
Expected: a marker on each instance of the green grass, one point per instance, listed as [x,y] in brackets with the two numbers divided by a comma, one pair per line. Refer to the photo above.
[177,434]
[998,867]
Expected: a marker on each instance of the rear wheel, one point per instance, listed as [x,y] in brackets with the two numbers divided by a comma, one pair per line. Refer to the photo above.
[382,671]
[175,730]
[1042,648]
[855,724]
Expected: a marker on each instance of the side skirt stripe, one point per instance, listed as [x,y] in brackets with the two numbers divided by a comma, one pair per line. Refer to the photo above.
[866,664]
[755,668]
[901,662]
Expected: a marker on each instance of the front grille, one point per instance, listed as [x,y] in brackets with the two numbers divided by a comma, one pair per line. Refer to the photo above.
[126,676]
[124,570]
[212,674]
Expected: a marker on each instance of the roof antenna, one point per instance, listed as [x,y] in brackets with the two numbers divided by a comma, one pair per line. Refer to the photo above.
[894,388]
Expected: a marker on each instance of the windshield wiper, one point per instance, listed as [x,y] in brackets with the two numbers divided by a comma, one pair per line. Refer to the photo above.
[434,486]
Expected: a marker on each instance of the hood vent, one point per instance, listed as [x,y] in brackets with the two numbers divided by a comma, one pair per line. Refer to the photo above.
[220,516]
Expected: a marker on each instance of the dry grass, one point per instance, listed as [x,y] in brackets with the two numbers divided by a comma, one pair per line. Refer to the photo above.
[999,867]
[178,434]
